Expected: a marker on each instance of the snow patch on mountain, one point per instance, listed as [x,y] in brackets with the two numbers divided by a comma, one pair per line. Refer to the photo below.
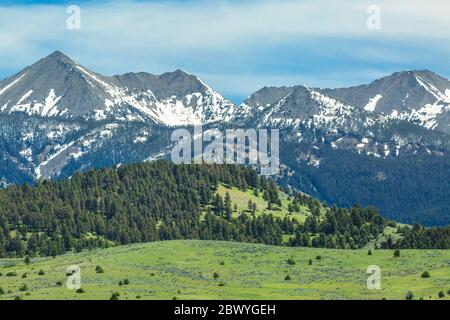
[157,156]
[25,96]
[4,107]
[433,90]
[447,94]
[47,108]
[173,112]
[60,130]
[372,104]
[11,84]
[192,109]
[95,78]
[140,140]
[27,154]
[332,111]
[59,150]
[426,116]
[77,154]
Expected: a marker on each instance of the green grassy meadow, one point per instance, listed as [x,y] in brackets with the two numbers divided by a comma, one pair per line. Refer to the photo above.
[241,198]
[185,270]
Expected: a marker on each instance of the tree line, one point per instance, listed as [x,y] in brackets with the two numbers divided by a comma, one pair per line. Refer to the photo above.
[163,201]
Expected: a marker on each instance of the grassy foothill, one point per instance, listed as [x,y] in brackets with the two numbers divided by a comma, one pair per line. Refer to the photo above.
[226,270]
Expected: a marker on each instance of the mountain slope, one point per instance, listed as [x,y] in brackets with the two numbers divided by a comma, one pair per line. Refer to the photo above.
[421,97]
[58,117]
[342,153]
[58,86]
[308,115]
[54,86]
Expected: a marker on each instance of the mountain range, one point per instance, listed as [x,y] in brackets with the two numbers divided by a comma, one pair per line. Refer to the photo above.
[385,143]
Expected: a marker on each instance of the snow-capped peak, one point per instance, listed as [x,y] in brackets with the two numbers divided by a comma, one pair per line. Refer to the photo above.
[58,86]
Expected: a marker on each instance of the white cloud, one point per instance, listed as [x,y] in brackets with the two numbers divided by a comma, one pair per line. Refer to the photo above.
[150,36]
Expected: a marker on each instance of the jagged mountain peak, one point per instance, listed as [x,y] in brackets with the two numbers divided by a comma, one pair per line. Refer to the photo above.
[177,74]
[403,89]
[267,96]
[58,56]
[420,72]
[182,78]
[177,83]
[55,64]
[53,86]
[319,128]
[413,79]
[418,96]
[58,86]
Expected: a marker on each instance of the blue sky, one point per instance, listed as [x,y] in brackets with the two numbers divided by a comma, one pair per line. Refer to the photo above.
[235,46]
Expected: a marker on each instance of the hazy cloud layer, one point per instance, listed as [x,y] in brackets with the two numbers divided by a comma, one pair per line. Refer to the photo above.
[236,46]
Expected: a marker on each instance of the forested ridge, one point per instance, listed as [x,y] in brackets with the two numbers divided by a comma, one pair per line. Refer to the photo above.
[407,189]
[162,201]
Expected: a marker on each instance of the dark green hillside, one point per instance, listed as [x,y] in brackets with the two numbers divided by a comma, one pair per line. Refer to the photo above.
[162,201]
[407,189]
